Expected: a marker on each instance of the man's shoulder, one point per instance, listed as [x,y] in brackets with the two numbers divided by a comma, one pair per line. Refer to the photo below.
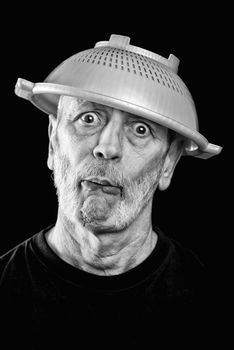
[180,255]
[14,262]
[182,266]
[187,254]
[187,269]
[14,259]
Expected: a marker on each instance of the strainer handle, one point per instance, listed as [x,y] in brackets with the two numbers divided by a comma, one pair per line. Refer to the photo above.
[123,42]
[24,88]
[209,151]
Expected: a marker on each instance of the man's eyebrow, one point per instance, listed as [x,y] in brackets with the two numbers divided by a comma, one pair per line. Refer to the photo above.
[90,104]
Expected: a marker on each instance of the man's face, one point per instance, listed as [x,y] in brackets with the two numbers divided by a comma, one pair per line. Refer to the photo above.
[106,164]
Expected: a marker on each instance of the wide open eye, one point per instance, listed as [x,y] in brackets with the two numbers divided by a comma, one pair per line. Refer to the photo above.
[90,118]
[141,129]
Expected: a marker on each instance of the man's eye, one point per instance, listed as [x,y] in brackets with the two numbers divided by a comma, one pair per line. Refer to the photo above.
[89,118]
[141,129]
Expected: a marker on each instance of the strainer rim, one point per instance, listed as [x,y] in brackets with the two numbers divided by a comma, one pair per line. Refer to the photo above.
[30,90]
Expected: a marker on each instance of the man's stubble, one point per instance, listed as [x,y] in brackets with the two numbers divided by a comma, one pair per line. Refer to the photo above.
[98,211]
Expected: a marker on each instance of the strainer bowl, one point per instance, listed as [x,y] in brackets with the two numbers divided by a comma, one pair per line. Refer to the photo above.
[129,78]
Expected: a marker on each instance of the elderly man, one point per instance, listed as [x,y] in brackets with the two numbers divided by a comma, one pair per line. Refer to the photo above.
[120,118]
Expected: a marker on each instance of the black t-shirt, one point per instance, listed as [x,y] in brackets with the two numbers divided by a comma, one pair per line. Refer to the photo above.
[49,304]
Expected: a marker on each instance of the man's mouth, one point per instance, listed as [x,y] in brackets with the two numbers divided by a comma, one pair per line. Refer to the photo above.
[105,185]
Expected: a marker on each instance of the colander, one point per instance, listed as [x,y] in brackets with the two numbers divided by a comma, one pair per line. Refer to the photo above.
[129,78]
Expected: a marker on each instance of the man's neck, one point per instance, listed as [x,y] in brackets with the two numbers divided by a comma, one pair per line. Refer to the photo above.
[105,254]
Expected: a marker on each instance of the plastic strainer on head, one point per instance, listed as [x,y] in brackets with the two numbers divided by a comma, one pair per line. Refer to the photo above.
[129,78]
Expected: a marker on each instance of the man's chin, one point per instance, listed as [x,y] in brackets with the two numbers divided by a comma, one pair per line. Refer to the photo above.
[95,214]
[98,225]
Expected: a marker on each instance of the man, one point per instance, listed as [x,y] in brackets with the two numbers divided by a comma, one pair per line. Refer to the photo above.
[119,121]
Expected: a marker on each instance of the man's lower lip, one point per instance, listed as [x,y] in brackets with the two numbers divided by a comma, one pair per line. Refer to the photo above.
[93,186]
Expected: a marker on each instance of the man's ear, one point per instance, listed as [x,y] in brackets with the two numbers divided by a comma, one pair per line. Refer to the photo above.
[173,155]
[52,138]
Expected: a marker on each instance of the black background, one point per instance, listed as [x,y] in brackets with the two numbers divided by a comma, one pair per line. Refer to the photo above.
[36,40]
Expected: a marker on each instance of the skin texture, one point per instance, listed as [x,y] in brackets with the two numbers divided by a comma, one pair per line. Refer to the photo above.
[106,230]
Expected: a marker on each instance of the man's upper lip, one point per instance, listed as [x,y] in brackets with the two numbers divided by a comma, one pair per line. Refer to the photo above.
[102,181]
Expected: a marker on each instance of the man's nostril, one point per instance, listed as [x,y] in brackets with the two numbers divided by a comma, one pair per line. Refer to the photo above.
[99,155]
[107,151]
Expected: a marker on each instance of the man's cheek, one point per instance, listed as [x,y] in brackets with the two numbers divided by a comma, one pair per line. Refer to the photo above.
[154,165]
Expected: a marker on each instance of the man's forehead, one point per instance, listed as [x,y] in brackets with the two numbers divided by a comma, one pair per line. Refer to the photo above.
[84,104]
[71,102]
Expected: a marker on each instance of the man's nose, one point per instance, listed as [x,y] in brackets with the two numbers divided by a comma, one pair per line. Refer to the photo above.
[109,144]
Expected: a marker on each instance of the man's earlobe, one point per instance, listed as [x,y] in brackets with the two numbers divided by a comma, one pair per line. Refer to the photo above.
[51,134]
[166,175]
[50,158]
[173,155]
[52,125]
